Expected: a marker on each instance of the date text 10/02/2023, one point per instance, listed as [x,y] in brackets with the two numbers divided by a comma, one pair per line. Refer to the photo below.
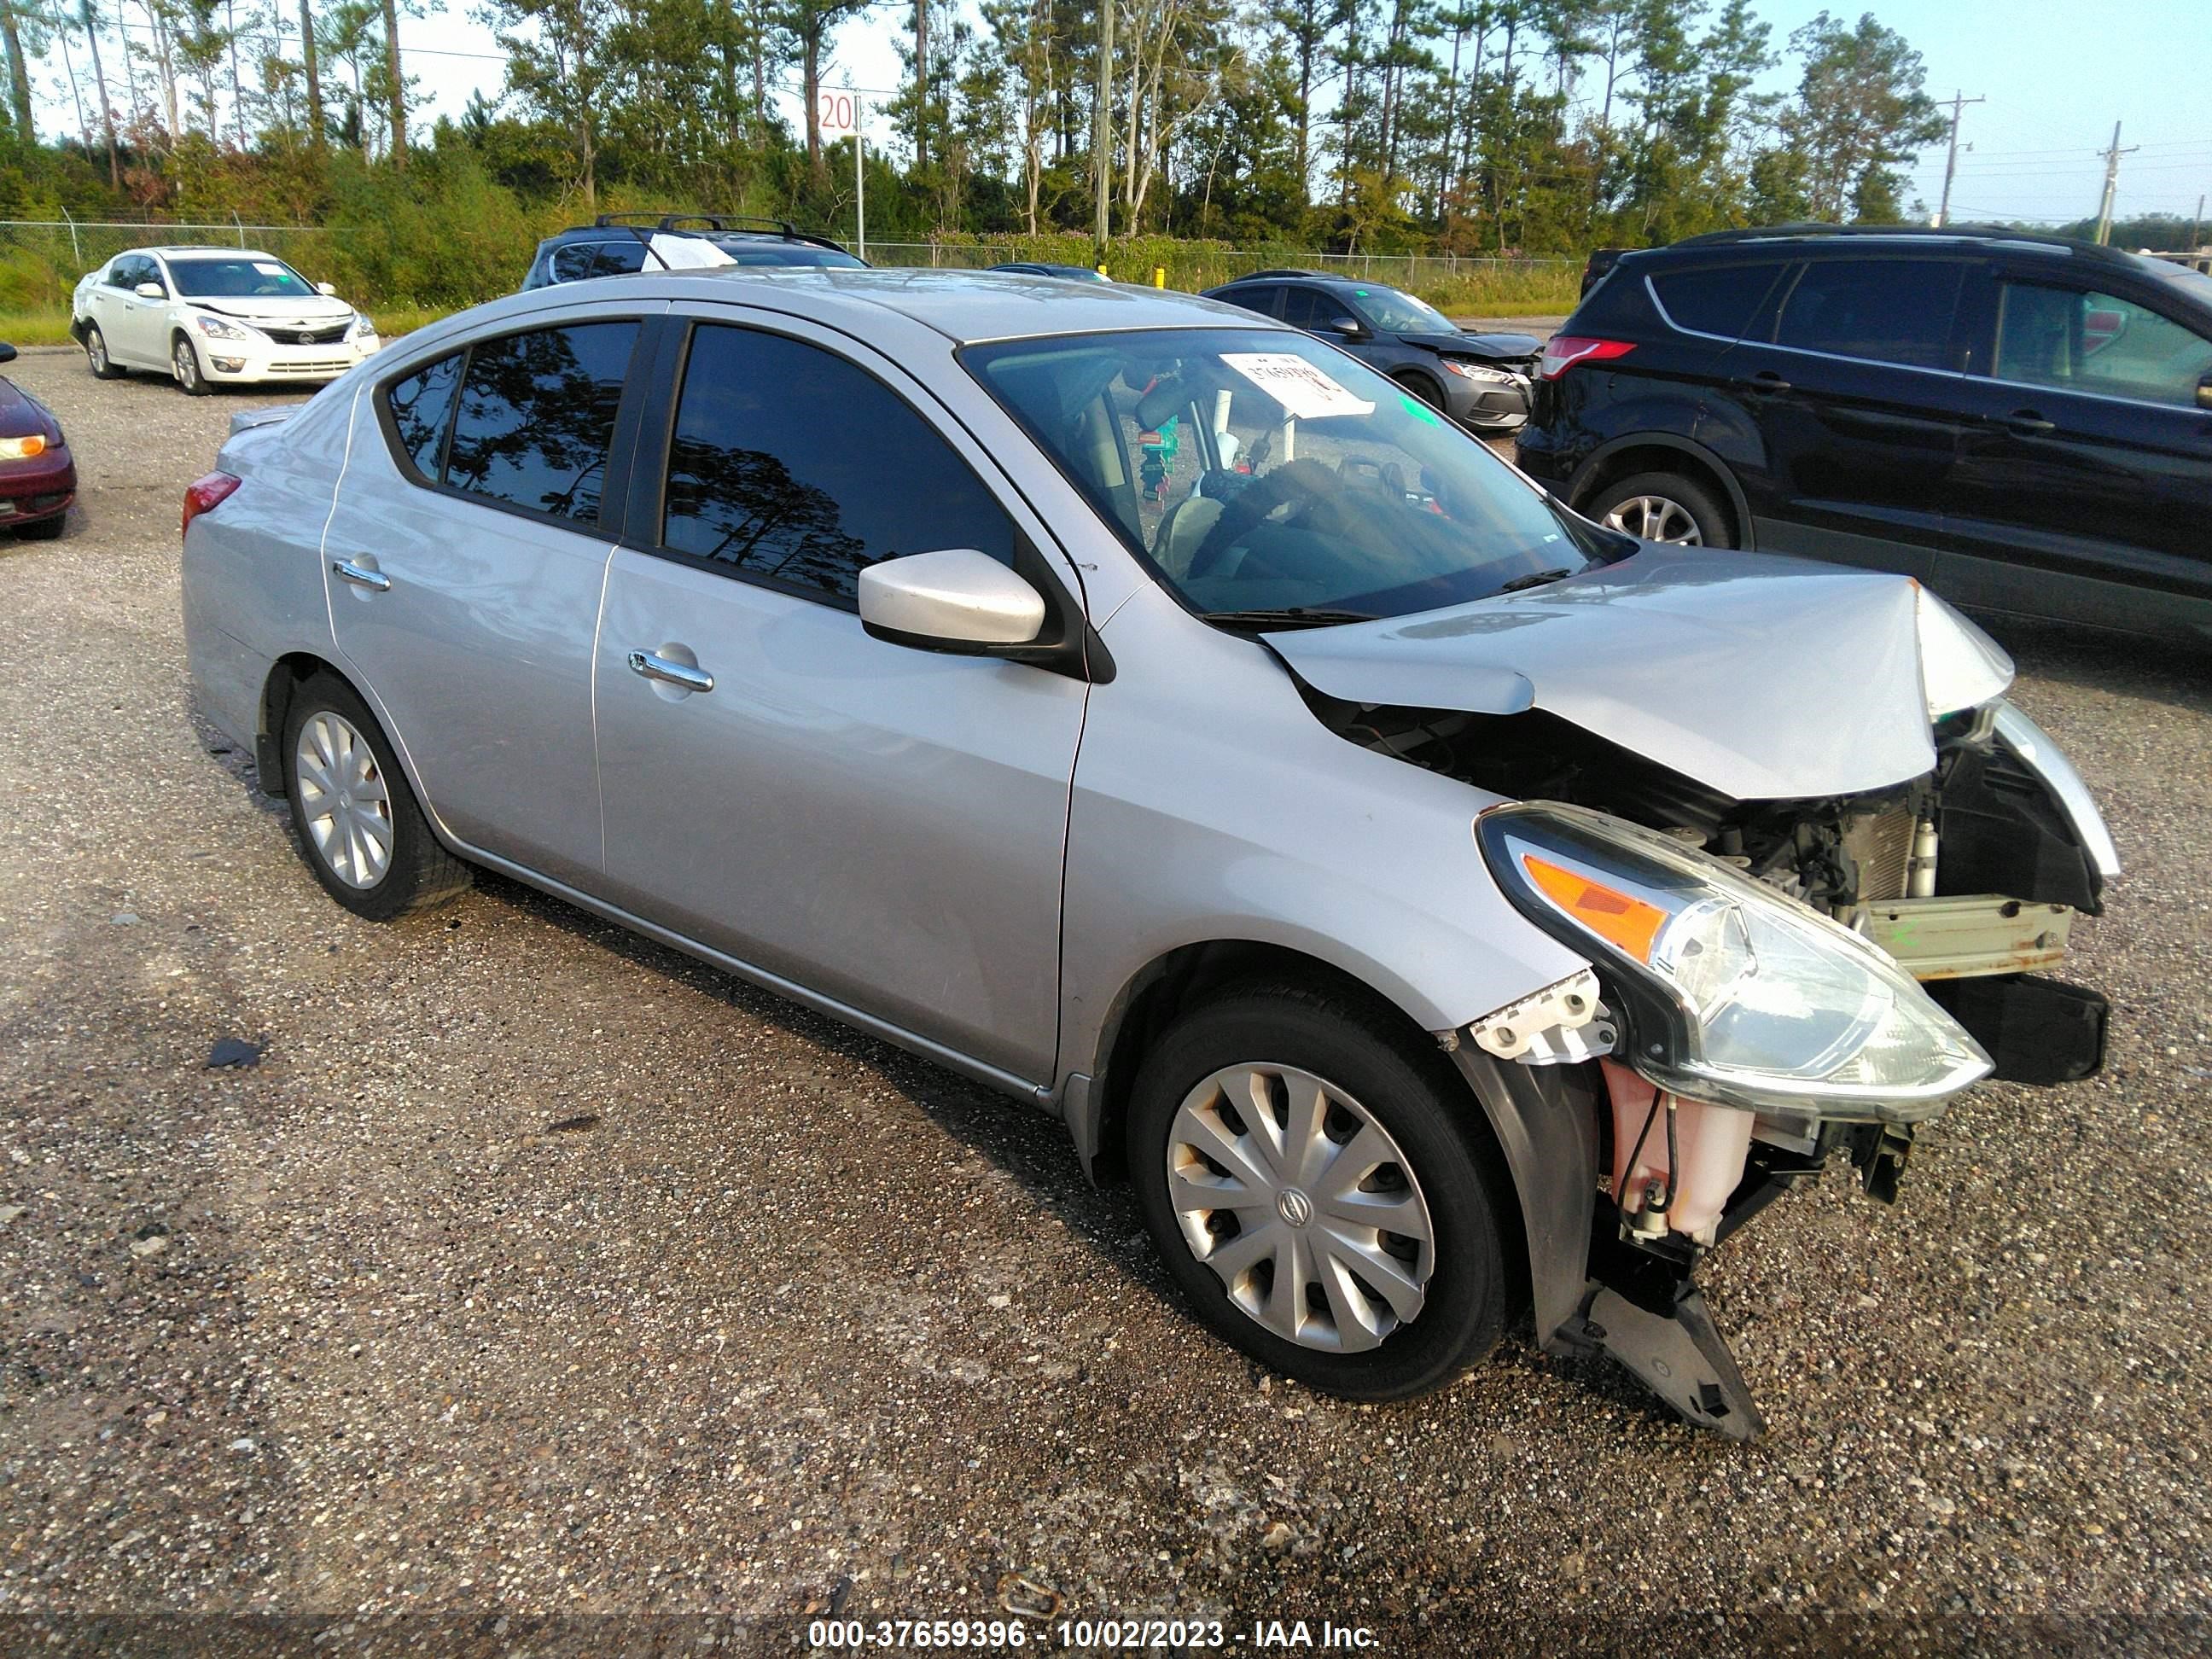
[1089,1635]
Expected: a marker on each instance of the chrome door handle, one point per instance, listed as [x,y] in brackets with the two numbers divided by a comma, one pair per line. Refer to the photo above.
[681,675]
[360,575]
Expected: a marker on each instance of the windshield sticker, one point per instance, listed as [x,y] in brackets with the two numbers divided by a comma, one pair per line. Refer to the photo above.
[1306,392]
[268,268]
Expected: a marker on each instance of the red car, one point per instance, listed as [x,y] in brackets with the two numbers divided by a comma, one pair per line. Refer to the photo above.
[38,478]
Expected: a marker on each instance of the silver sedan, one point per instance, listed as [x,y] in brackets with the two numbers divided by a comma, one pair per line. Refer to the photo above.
[1436,905]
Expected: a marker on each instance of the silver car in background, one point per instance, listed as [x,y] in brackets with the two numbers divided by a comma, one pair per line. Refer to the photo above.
[1436,906]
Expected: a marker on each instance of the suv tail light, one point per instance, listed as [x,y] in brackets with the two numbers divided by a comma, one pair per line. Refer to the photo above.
[1563,351]
[203,495]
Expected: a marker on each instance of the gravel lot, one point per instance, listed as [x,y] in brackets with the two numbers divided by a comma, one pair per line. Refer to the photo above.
[538,1275]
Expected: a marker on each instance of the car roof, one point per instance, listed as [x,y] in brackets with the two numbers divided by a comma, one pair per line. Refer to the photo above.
[1859,239]
[202,250]
[966,306]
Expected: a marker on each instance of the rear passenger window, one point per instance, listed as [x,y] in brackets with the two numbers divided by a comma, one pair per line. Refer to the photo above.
[1893,311]
[580,261]
[1722,301]
[422,405]
[797,467]
[1310,308]
[538,415]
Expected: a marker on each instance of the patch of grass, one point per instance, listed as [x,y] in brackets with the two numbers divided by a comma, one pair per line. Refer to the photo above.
[1526,291]
[392,321]
[43,326]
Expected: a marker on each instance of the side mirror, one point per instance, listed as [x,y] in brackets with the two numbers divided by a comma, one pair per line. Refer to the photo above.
[1350,327]
[957,600]
[326,288]
[150,291]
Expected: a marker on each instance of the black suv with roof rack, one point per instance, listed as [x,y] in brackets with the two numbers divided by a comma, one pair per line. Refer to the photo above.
[1479,380]
[2023,422]
[620,244]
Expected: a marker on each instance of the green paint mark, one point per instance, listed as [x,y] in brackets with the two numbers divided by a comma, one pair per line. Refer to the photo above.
[1420,411]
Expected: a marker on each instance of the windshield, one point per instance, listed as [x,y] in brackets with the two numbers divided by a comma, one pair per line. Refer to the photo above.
[245,277]
[1401,313]
[1260,470]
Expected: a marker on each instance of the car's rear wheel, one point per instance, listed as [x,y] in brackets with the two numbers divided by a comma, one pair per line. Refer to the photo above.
[185,362]
[1663,507]
[103,367]
[359,826]
[1320,1191]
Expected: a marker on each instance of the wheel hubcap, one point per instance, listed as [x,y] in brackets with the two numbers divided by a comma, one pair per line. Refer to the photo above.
[188,368]
[1655,519]
[1302,1204]
[99,348]
[342,800]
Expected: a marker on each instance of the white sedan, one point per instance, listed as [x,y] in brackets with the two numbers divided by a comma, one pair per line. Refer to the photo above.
[210,316]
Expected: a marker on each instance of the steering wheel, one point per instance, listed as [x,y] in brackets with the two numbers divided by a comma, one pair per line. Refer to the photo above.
[1293,483]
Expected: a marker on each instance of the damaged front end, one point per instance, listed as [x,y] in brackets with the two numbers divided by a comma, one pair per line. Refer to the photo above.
[1777,984]
[1774,985]
[1820,871]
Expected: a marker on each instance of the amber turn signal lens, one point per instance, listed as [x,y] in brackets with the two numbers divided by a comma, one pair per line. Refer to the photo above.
[1612,915]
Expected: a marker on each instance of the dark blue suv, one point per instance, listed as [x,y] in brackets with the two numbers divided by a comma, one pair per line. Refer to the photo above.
[2022,422]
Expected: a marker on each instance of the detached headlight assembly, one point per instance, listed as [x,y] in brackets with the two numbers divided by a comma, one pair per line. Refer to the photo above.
[1467,370]
[217,328]
[1733,993]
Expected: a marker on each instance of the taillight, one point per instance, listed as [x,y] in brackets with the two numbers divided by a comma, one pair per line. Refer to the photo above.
[1563,351]
[203,495]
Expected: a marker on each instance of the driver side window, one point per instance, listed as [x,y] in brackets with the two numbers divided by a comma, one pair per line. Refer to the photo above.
[2073,340]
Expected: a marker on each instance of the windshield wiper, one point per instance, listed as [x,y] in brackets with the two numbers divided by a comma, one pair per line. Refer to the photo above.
[1289,616]
[1535,579]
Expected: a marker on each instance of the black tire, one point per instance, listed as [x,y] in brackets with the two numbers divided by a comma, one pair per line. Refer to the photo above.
[1422,388]
[193,380]
[1412,1093]
[43,530]
[103,367]
[421,872]
[1693,496]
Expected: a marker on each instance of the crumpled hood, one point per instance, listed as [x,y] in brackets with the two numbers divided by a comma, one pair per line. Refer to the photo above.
[1498,348]
[299,311]
[1766,678]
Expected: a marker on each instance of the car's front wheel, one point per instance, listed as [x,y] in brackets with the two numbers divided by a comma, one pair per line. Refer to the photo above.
[186,363]
[1322,1191]
[1663,507]
[359,828]
[95,355]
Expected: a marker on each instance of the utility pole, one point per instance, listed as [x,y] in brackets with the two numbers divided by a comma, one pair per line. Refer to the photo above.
[1958,102]
[1101,140]
[2193,223]
[2112,185]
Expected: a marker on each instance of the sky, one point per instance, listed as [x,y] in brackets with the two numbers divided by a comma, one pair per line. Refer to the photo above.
[2055,74]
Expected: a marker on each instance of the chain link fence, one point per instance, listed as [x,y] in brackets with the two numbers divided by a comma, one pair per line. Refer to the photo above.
[1201,264]
[40,260]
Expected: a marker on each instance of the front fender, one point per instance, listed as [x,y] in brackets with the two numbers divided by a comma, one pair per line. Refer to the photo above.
[1211,806]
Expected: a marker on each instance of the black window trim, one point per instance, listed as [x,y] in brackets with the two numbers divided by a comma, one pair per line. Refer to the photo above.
[613,494]
[1072,646]
[2073,282]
